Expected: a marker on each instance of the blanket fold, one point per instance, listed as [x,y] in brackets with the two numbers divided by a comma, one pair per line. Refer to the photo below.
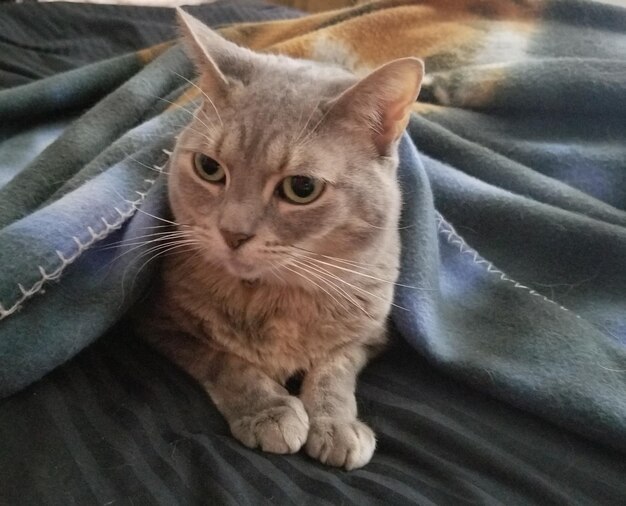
[513,176]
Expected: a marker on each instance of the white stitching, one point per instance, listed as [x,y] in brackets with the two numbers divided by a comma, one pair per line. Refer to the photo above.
[454,238]
[95,236]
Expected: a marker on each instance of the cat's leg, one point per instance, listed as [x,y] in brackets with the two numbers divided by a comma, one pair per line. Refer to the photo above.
[336,437]
[259,411]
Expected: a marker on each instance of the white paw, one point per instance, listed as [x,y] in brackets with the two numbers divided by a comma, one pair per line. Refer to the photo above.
[339,443]
[277,429]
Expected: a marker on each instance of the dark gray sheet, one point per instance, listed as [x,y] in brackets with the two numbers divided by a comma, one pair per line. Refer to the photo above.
[119,425]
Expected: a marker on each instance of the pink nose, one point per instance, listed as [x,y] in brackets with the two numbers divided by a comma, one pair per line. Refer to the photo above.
[234,239]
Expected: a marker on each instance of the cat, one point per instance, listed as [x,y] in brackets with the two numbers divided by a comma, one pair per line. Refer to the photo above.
[284,190]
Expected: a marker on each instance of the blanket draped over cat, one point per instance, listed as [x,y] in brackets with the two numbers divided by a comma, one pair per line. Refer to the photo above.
[513,194]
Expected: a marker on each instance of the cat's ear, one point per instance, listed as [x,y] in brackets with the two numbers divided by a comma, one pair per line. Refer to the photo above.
[382,100]
[216,58]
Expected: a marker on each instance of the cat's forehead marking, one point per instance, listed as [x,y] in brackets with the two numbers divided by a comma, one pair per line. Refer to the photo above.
[243,143]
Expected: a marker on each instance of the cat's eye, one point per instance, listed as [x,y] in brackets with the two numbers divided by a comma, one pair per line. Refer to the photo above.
[208,169]
[300,189]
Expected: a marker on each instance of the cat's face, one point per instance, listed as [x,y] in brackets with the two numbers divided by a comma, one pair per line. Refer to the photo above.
[285,159]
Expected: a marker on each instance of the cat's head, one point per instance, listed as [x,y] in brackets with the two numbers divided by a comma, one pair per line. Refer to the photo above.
[287,158]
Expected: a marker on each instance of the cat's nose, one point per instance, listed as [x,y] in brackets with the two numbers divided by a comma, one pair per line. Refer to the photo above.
[234,239]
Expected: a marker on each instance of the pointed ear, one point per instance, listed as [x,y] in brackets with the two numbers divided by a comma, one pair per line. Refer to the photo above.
[382,101]
[212,54]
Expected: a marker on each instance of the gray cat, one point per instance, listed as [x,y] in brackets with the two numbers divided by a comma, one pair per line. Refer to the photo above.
[284,191]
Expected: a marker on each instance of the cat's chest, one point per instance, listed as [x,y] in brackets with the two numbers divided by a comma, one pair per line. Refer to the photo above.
[281,330]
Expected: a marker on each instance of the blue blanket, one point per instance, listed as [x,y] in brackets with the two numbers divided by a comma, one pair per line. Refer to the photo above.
[513,228]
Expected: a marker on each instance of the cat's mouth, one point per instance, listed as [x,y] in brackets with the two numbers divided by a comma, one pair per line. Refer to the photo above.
[245,271]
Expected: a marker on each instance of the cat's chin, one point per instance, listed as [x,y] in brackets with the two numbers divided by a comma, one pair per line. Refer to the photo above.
[247,273]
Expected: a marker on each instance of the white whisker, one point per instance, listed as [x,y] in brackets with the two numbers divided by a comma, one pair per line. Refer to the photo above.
[188,111]
[306,124]
[312,282]
[136,246]
[162,219]
[161,250]
[312,131]
[317,260]
[353,263]
[274,270]
[145,164]
[204,94]
[157,236]
[386,228]
[339,278]
[322,273]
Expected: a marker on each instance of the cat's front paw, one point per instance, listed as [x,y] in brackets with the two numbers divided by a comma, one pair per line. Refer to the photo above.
[340,443]
[278,429]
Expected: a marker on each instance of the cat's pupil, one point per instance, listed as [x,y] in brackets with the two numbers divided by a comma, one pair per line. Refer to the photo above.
[209,166]
[302,186]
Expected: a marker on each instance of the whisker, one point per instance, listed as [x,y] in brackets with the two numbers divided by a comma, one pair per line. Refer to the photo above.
[139,210]
[188,111]
[160,171]
[317,260]
[204,94]
[353,263]
[136,240]
[162,251]
[154,226]
[387,228]
[339,278]
[306,124]
[164,248]
[323,273]
[299,122]
[165,245]
[163,219]
[312,282]
[274,271]
[203,134]
[136,246]
[312,131]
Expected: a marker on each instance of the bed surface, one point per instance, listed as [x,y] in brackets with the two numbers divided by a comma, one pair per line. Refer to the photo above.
[119,425]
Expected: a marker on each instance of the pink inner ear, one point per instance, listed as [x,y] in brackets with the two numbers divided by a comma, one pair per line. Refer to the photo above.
[389,93]
[392,127]
[394,118]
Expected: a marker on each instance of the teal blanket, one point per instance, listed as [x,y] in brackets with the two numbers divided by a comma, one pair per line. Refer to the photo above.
[514,213]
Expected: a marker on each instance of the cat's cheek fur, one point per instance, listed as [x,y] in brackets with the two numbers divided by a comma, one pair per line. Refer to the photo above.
[309,223]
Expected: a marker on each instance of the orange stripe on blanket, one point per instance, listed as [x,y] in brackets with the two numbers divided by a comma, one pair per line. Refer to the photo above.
[447,32]
[148,54]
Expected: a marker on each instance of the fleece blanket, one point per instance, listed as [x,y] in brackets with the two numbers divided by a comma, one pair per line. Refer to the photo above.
[513,172]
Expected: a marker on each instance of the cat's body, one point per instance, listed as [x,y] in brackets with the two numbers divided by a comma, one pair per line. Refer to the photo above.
[268,324]
[284,189]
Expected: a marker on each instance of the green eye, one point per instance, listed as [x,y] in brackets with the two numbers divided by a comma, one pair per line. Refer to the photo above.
[300,189]
[208,169]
